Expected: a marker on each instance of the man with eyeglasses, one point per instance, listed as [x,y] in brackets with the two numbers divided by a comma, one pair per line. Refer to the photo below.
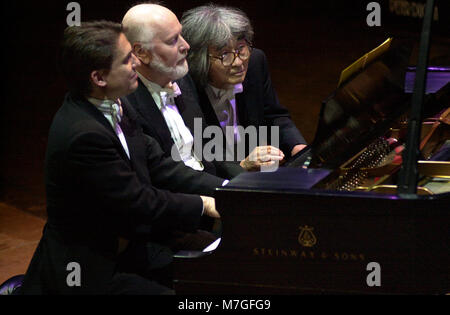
[232,78]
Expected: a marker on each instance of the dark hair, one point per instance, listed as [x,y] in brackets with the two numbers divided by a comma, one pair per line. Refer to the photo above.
[85,48]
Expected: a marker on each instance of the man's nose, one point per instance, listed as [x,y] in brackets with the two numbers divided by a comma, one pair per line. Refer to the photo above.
[237,61]
[184,45]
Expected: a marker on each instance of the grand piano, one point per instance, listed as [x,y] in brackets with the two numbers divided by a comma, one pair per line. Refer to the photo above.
[331,220]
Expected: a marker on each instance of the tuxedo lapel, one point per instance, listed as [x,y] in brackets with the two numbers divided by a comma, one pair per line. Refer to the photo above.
[184,111]
[245,102]
[149,111]
[207,109]
[128,126]
[189,110]
[93,112]
[90,109]
[188,103]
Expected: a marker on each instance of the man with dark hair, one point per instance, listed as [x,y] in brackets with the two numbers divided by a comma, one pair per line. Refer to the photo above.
[106,180]
[81,43]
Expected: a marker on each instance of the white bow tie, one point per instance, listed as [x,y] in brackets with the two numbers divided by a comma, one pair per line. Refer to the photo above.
[168,94]
[229,94]
[112,108]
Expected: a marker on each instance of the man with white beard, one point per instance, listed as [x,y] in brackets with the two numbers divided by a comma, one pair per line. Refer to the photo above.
[155,35]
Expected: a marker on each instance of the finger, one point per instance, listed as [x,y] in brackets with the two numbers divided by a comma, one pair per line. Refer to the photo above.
[215,214]
[267,163]
[276,158]
[266,158]
[275,151]
[264,151]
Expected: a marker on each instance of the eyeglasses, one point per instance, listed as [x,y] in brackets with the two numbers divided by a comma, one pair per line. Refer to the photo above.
[228,57]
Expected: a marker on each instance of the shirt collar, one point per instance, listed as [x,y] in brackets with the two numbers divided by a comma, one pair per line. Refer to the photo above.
[226,93]
[154,87]
[111,109]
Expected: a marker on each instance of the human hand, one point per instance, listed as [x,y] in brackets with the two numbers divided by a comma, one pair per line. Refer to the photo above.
[209,207]
[262,156]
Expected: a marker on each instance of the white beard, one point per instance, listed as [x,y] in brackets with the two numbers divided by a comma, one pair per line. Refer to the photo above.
[173,73]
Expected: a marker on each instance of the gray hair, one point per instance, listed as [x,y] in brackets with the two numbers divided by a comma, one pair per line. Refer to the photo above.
[211,26]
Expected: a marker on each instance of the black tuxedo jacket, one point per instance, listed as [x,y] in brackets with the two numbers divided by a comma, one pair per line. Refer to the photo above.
[154,125]
[258,105]
[96,194]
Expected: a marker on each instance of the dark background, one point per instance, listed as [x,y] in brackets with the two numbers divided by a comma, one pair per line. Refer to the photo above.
[308,44]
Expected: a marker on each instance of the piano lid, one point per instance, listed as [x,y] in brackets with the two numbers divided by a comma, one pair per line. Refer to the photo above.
[362,108]
[283,179]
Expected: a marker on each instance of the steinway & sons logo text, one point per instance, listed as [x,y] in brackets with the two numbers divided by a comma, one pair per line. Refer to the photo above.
[307,239]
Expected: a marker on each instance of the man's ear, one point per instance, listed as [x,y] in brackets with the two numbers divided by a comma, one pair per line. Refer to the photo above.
[141,53]
[97,78]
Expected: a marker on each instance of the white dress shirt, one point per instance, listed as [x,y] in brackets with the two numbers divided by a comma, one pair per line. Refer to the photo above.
[224,105]
[181,135]
[112,110]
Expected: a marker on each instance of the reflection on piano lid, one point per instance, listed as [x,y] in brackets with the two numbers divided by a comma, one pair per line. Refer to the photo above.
[363,108]
[437,77]
[367,106]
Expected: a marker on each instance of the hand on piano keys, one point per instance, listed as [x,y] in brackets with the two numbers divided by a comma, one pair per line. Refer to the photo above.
[262,156]
[209,207]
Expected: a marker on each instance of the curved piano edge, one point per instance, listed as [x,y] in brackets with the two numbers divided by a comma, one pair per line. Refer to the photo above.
[301,181]
[188,254]
[361,192]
